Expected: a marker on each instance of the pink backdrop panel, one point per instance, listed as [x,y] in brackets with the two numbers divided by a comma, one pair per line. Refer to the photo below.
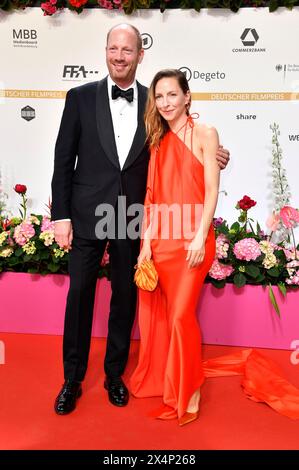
[230,316]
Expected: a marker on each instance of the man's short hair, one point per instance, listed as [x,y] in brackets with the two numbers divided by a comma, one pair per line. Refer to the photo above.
[135,30]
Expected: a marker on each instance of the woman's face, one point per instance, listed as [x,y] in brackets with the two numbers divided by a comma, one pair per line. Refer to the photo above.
[170,99]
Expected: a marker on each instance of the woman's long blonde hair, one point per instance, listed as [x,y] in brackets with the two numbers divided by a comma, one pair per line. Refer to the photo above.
[155,125]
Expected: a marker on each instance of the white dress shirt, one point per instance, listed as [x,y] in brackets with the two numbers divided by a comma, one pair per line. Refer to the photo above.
[124,118]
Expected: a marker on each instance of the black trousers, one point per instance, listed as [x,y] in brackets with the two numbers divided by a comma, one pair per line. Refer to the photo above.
[84,261]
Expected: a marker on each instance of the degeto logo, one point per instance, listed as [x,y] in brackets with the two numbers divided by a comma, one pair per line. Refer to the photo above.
[78,72]
[249,37]
[204,76]
[28,113]
[187,72]
[147,40]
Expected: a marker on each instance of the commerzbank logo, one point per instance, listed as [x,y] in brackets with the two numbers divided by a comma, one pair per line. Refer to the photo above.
[202,75]
[249,38]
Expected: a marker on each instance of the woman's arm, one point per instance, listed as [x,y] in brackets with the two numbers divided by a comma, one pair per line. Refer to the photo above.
[210,145]
[146,252]
[211,179]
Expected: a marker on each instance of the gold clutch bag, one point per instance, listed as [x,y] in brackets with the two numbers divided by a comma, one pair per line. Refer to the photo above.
[146,276]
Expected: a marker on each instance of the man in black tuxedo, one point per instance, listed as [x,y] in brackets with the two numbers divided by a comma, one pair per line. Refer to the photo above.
[101,154]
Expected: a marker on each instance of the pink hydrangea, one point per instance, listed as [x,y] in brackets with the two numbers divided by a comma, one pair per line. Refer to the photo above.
[275,247]
[47,225]
[23,233]
[290,254]
[220,271]
[222,246]
[293,264]
[293,279]
[247,249]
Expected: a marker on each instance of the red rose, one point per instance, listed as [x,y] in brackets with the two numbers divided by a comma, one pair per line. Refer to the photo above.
[77,3]
[5,224]
[246,203]
[20,188]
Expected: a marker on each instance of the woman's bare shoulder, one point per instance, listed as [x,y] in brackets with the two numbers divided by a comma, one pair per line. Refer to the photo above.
[204,130]
[205,133]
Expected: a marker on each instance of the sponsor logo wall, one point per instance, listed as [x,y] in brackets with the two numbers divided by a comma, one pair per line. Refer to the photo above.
[242,74]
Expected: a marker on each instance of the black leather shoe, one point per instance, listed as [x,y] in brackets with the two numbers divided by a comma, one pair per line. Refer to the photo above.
[117,391]
[66,400]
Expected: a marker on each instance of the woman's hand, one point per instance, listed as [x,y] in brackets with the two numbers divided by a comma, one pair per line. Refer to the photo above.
[145,253]
[196,253]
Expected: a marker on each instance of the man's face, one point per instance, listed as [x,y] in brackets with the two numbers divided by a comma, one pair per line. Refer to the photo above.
[122,56]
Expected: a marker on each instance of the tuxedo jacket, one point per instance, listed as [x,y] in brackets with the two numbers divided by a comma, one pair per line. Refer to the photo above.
[86,167]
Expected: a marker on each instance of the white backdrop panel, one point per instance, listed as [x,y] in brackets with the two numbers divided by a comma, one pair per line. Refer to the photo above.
[205,43]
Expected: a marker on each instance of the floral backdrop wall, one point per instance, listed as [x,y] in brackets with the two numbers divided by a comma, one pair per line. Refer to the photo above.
[54,7]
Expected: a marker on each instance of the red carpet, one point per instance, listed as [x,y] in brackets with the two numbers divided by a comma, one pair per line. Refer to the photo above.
[32,376]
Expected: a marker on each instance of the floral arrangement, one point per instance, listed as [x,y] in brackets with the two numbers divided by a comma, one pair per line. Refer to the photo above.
[51,7]
[27,243]
[245,255]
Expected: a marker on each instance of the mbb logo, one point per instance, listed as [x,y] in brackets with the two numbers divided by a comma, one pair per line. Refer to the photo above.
[24,34]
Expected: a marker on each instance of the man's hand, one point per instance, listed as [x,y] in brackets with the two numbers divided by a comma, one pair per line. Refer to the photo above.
[222,156]
[63,233]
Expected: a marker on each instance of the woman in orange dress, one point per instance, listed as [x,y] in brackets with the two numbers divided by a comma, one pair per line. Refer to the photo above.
[181,198]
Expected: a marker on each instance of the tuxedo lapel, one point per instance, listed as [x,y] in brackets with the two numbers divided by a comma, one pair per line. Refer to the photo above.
[104,123]
[140,136]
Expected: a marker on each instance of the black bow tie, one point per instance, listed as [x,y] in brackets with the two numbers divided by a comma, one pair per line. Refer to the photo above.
[118,92]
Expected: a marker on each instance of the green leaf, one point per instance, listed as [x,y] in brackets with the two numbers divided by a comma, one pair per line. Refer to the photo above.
[258,228]
[251,228]
[260,278]
[197,5]
[273,272]
[235,226]
[14,261]
[218,284]
[280,255]
[239,280]
[44,255]
[53,267]
[273,300]
[273,5]
[282,288]
[222,229]
[33,270]
[252,270]
[19,252]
